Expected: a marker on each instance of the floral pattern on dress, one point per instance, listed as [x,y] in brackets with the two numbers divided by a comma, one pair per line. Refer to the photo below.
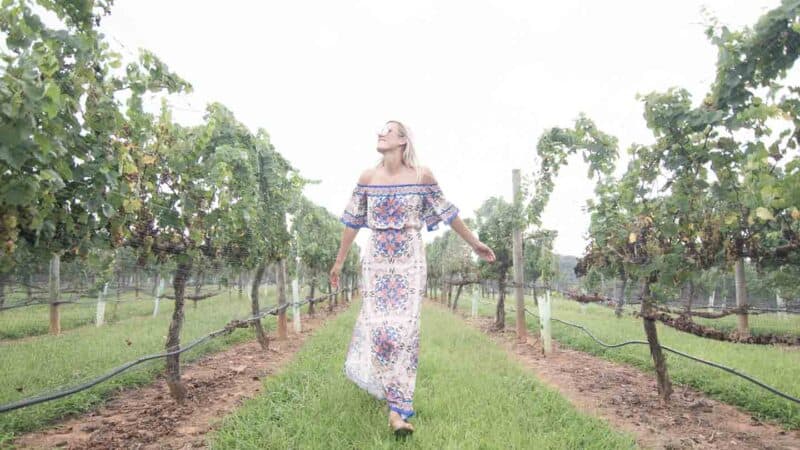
[414,350]
[391,292]
[355,213]
[396,395]
[386,344]
[383,354]
[391,243]
[437,209]
[391,210]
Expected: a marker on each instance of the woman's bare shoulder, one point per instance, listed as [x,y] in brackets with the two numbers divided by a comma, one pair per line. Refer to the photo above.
[427,175]
[366,176]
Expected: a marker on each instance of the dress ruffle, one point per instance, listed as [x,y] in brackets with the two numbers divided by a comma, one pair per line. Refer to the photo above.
[398,206]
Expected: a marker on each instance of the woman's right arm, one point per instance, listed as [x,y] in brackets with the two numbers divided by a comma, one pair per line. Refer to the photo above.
[348,235]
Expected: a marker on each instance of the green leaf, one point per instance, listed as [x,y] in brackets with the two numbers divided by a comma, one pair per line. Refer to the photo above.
[14,155]
[131,205]
[19,192]
[51,109]
[764,214]
[52,176]
[108,210]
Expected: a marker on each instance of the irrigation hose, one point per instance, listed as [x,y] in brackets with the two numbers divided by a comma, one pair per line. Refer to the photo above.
[232,325]
[677,352]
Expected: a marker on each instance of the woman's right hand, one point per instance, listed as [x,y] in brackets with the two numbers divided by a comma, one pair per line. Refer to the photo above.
[334,275]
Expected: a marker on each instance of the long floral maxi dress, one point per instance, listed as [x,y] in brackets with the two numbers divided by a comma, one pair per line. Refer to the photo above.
[382,356]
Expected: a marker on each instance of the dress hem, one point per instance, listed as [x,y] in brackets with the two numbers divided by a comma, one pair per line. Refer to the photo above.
[404,413]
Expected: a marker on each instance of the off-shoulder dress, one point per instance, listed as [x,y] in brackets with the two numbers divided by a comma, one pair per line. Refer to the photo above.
[382,356]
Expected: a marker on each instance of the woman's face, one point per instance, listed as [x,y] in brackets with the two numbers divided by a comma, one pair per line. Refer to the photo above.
[389,137]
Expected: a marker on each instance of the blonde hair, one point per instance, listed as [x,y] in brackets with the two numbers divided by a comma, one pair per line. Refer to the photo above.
[409,154]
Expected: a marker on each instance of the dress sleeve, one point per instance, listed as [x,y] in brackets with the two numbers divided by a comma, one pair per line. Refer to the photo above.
[355,213]
[437,208]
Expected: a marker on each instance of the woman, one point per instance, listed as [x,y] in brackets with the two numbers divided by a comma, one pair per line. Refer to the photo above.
[393,199]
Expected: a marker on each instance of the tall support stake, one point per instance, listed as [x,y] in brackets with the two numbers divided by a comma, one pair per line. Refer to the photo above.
[781,303]
[159,293]
[281,279]
[544,323]
[55,293]
[296,306]
[742,322]
[296,282]
[519,288]
[474,303]
[298,327]
[100,315]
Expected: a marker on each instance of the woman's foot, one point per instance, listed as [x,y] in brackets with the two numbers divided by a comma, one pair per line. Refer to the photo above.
[401,427]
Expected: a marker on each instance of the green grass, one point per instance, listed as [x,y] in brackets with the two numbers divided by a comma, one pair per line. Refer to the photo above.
[774,365]
[469,394]
[45,363]
[35,320]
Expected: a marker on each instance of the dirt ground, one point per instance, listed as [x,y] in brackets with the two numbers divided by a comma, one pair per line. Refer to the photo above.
[627,398]
[147,418]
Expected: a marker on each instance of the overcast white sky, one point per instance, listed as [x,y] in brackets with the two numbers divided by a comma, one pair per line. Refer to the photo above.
[477,82]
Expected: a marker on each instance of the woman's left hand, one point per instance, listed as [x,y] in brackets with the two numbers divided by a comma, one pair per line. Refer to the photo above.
[484,251]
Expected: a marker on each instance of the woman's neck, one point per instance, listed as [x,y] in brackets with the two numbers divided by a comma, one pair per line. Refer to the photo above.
[393,162]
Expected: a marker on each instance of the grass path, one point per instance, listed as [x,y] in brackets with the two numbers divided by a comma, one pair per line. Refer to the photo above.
[469,395]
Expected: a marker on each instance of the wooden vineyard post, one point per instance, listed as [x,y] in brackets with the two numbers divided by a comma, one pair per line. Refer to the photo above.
[118,269]
[281,279]
[474,303]
[544,323]
[298,327]
[519,288]
[101,306]
[55,293]
[742,323]
[296,306]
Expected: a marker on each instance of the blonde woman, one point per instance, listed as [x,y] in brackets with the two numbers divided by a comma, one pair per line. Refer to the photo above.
[394,199]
